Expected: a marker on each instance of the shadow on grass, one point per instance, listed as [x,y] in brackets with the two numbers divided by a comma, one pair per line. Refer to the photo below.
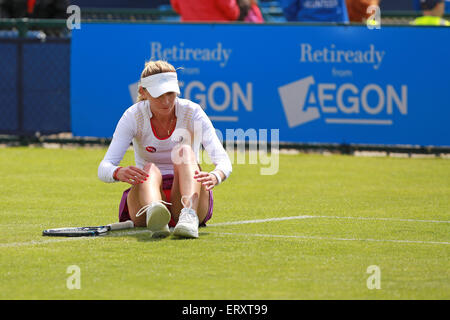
[200,235]
[143,235]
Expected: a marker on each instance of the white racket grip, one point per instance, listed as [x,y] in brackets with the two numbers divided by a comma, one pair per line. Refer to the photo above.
[122,225]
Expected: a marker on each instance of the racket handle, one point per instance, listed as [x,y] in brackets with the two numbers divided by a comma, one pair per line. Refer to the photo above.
[121,225]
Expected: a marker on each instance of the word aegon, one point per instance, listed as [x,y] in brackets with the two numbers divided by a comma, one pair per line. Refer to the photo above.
[219,95]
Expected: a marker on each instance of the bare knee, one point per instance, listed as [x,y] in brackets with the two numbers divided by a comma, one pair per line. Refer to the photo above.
[151,168]
[183,155]
[153,171]
[185,150]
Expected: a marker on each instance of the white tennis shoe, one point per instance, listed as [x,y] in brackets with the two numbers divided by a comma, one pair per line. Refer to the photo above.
[163,233]
[187,226]
[157,218]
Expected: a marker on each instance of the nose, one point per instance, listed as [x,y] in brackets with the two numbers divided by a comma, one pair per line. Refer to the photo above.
[167,97]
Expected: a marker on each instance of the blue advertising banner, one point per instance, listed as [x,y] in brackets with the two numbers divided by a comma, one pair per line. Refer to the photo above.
[316,84]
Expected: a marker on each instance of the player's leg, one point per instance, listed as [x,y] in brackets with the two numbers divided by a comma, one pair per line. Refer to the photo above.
[144,201]
[201,207]
[195,204]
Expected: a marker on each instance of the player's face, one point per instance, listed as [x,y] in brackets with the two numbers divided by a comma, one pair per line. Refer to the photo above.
[164,102]
[167,99]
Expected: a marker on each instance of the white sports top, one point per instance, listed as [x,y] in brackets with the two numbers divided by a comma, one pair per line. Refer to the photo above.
[135,126]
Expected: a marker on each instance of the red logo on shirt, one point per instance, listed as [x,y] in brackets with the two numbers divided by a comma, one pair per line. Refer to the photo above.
[150,149]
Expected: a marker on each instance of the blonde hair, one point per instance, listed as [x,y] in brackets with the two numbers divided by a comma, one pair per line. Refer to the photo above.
[154,67]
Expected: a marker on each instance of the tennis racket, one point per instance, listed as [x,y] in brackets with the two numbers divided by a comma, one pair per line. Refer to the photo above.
[88,231]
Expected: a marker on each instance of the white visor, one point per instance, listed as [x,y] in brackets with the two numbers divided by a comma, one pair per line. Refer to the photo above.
[161,83]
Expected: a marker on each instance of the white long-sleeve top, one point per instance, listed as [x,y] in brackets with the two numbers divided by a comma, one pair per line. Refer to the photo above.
[193,127]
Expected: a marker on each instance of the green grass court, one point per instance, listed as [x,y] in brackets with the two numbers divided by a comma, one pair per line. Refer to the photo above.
[349,213]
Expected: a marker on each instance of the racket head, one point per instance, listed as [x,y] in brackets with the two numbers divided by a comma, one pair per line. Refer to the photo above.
[76,231]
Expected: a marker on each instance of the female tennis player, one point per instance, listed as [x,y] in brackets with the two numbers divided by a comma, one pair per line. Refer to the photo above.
[166,132]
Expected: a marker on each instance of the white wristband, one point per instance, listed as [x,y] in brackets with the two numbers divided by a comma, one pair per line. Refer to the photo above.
[219,179]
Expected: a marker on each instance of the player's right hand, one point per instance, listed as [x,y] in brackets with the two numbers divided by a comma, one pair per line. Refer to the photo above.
[132,175]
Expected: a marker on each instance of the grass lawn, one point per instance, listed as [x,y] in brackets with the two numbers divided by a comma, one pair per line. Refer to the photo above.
[327,219]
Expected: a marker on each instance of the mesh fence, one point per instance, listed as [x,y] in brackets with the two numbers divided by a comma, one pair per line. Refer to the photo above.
[34,86]
[46,86]
[165,13]
[271,11]
[8,86]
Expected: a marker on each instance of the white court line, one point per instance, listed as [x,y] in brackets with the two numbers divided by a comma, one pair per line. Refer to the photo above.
[322,217]
[325,238]
[259,221]
[132,232]
[35,242]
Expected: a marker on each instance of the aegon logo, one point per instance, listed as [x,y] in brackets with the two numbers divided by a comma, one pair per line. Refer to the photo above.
[304,101]
[219,96]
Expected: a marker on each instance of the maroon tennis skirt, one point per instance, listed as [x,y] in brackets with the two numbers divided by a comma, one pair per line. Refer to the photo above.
[167,182]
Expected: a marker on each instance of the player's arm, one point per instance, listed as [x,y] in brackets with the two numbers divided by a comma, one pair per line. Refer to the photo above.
[109,169]
[131,174]
[209,179]
[216,152]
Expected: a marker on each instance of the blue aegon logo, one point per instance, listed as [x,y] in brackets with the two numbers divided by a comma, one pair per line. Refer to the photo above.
[305,100]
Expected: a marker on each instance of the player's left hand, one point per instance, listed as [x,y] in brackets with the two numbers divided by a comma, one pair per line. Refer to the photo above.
[206,179]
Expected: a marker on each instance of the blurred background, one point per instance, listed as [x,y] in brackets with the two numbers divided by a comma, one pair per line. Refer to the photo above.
[47,91]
